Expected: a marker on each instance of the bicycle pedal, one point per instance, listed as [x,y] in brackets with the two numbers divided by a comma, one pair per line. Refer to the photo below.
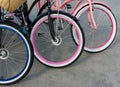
[9,18]
[68,6]
[40,34]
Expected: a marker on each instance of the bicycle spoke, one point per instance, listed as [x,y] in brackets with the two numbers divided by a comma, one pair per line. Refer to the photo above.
[42,51]
[13,38]
[4,38]
[15,44]
[66,27]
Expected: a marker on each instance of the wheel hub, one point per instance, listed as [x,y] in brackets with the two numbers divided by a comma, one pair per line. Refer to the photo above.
[4,53]
[57,41]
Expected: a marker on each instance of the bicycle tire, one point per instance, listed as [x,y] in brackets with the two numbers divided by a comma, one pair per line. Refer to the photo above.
[60,48]
[16,54]
[96,45]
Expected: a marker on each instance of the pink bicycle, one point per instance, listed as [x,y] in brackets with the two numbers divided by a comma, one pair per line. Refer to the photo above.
[96,18]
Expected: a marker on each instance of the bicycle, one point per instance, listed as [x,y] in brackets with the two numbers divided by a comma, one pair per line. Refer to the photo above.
[16,53]
[97,20]
[57,40]
[55,37]
[56,34]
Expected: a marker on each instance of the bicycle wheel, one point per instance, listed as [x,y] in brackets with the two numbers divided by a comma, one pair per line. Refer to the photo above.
[99,39]
[64,50]
[16,54]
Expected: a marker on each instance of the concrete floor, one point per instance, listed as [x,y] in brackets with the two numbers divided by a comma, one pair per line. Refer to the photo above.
[90,70]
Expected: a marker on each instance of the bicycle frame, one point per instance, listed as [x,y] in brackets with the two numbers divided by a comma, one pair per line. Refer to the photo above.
[89,13]
[26,20]
[59,5]
[52,32]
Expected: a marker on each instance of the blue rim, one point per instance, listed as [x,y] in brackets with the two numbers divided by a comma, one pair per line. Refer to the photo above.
[11,78]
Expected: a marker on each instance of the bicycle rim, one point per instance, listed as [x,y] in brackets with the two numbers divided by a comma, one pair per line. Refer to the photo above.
[64,50]
[99,39]
[15,55]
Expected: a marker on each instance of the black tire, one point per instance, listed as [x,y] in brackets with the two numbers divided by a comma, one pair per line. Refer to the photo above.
[60,58]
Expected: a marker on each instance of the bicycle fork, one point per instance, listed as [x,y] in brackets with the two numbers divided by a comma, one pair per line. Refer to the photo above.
[91,19]
[50,22]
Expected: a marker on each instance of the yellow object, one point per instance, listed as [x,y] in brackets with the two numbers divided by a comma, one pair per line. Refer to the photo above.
[11,5]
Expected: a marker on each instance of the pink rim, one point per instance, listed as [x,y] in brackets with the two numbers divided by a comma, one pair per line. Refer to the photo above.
[71,59]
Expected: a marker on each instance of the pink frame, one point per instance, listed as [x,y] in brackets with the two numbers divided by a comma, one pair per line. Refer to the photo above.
[90,12]
[60,5]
